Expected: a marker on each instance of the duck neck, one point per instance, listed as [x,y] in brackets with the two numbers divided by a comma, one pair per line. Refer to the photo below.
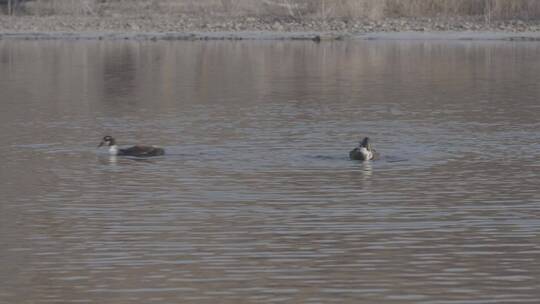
[113,150]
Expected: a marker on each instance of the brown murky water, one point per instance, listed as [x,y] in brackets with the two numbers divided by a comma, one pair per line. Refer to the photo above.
[256,201]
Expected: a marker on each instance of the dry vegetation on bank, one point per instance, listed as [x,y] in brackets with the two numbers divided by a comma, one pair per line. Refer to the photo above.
[341,16]
[293,9]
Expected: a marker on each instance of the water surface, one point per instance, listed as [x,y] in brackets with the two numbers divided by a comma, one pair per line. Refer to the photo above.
[256,201]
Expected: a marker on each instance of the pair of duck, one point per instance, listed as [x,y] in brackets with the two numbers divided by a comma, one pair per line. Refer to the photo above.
[362,152]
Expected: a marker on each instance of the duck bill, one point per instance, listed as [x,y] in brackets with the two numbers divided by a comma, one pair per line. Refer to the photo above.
[101,144]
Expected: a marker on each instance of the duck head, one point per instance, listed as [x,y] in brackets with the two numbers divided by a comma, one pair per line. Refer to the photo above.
[107,141]
[365,144]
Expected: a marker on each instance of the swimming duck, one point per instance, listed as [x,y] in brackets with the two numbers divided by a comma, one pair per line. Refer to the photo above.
[364,151]
[139,151]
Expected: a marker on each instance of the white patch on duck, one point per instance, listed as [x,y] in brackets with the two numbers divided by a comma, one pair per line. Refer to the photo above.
[113,150]
[368,155]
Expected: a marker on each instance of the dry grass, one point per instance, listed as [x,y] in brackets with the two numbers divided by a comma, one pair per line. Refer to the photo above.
[299,9]
[499,9]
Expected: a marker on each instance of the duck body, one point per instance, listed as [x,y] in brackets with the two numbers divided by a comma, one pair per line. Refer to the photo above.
[364,151]
[141,151]
[137,151]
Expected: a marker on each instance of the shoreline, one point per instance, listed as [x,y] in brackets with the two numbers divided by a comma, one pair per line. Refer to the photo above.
[271,35]
[141,28]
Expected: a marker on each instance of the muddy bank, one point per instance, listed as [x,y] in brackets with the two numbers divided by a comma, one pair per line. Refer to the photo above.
[268,35]
[197,28]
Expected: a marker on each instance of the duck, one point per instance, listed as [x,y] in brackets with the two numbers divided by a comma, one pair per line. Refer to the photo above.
[138,151]
[364,151]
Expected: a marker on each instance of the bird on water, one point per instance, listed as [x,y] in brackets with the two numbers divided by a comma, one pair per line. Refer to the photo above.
[138,150]
[364,151]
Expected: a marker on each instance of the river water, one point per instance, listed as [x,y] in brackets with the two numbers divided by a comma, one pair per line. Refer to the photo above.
[256,200]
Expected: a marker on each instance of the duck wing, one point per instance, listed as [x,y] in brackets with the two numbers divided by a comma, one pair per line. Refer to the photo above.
[376,155]
[142,151]
[355,154]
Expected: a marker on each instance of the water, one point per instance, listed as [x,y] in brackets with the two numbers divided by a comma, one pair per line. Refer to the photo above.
[256,201]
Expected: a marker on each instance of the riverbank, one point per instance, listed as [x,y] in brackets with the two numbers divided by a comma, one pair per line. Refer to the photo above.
[198,28]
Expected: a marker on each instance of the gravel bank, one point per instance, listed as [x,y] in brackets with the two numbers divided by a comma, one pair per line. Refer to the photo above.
[198,28]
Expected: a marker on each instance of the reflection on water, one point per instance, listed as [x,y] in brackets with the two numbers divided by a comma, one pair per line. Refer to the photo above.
[256,200]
